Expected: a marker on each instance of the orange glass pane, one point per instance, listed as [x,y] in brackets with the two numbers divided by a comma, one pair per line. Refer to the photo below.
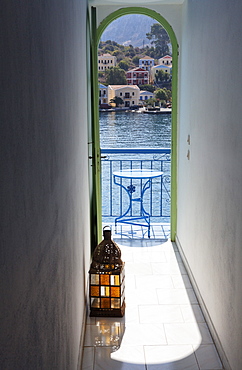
[105,302]
[115,292]
[104,279]
[94,291]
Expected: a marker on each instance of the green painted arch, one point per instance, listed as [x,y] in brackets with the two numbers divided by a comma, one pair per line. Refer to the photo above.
[153,14]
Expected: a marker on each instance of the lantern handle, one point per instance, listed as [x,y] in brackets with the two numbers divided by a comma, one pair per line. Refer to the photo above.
[107,226]
[107,233]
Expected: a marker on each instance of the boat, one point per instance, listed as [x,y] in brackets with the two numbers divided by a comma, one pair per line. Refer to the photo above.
[155,110]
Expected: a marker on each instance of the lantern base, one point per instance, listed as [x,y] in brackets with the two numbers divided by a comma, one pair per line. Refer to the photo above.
[108,312]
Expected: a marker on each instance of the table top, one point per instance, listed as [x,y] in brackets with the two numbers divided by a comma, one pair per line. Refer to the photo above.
[138,174]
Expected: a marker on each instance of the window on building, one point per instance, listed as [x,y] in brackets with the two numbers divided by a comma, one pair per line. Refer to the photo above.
[121,94]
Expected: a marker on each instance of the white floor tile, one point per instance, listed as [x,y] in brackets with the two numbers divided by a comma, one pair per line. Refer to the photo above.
[125,358]
[142,268]
[208,358]
[88,358]
[172,255]
[160,314]
[192,313]
[150,256]
[137,296]
[163,322]
[168,268]
[181,281]
[176,296]
[157,281]
[131,314]
[170,358]
[104,333]
[188,333]
[144,334]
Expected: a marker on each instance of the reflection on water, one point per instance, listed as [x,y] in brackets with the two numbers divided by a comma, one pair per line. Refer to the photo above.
[129,129]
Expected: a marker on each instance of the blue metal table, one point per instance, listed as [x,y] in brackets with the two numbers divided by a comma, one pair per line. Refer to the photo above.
[141,174]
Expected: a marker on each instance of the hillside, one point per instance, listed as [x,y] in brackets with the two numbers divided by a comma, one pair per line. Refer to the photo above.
[130,29]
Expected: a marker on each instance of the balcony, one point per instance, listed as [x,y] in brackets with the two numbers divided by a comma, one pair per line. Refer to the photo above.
[124,198]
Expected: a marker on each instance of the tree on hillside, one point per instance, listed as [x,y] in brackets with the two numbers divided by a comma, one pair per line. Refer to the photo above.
[135,60]
[161,76]
[160,39]
[123,64]
[115,76]
[147,87]
[117,101]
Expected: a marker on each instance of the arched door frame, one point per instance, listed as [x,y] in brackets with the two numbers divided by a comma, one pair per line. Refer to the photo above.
[96,35]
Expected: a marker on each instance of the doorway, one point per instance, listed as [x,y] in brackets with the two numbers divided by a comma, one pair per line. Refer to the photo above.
[164,23]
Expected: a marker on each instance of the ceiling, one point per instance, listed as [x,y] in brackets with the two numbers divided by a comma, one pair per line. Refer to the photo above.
[133,2]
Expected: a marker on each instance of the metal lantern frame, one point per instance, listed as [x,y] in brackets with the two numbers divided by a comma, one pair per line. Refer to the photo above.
[107,279]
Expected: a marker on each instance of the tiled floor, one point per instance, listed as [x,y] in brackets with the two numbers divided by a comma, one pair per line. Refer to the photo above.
[157,231]
[163,327]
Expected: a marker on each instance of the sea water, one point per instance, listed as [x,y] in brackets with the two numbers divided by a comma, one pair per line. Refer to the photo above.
[134,130]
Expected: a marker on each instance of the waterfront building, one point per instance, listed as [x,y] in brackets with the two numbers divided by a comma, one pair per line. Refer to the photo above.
[145,95]
[103,94]
[129,94]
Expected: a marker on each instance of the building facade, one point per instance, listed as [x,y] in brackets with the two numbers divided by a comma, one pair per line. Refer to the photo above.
[145,95]
[129,94]
[146,63]
[137,76]
[106,61]
[156,69]
[166,60]
[103,94]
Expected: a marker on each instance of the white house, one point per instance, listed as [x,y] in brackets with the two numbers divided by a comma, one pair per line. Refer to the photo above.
[129,93]
[145,95]
[106,61]
[166,60]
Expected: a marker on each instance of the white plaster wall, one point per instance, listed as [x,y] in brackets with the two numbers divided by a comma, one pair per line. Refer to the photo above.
[210,183]
[44,183]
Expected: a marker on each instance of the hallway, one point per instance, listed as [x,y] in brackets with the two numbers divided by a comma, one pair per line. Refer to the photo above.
[163,326]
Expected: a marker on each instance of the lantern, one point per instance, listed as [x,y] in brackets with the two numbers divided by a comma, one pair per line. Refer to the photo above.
[106,278]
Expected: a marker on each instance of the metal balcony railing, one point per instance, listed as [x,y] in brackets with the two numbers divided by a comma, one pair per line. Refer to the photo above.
[156,200]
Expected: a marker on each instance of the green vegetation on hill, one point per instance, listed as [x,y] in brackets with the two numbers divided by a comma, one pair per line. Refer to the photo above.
[128,58]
